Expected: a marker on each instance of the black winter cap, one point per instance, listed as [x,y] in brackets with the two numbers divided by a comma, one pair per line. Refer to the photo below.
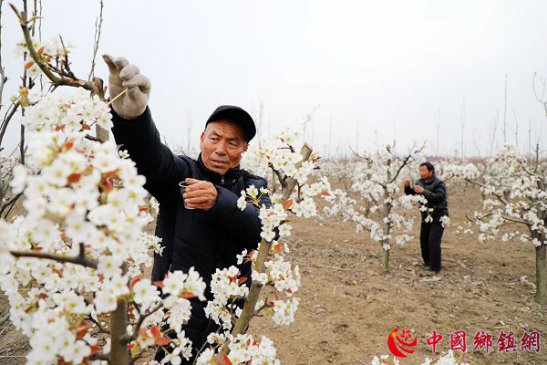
[236,115]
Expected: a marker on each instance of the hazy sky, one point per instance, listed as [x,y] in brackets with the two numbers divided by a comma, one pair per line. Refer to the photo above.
[378,70]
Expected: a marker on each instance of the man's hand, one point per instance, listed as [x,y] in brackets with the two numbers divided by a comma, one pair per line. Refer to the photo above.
[406,182]
[126,76]
[419,189]
[200,194]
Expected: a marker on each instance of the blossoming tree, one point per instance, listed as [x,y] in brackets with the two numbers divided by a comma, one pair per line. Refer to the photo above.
[514,194]
[375,183]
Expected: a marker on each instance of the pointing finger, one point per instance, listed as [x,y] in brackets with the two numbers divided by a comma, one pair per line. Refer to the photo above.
[120,62]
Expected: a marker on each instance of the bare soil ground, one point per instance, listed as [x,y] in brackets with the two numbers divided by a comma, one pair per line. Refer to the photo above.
[348,307]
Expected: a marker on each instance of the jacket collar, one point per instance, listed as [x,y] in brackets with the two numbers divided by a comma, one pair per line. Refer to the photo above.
[229,178]
[430,180]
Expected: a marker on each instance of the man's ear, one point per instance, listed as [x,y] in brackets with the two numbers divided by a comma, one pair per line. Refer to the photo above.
[202,137]
[246,147]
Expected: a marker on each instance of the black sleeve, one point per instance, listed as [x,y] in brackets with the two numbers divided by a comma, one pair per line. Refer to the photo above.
[154,160]
[409,191]
[245,224]
[437,195]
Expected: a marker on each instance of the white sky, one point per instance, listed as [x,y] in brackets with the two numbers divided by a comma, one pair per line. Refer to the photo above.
[378,70]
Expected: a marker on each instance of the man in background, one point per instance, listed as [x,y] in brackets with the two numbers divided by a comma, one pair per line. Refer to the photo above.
[434,190]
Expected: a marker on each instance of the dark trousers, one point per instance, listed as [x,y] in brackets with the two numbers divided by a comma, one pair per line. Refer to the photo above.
[430,243]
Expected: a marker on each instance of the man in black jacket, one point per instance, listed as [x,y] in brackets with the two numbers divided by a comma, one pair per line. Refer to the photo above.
[211,230]
[434,190]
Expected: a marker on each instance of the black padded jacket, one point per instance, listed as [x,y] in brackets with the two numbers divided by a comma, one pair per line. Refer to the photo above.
[435,193]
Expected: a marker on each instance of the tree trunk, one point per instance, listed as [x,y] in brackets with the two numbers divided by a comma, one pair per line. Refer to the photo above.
[385,261]
[541,275]
[118,330]
[102,134]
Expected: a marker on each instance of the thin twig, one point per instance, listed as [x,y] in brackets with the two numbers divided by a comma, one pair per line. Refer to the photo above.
[97,38]
[98,324]
[142,318]
[7,118]
[92,138]
[69,72]
[515,220]
[80,259]
[9,204]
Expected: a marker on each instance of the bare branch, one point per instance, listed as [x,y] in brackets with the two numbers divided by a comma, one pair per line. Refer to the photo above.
[515,220]
[500,197]
[282,181]
[97,38]
[401,166]
[142,318]
[80,259]
[98,324]
[9,205]
[7,118]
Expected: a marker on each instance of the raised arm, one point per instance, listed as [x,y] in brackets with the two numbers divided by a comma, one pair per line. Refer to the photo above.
[134,129]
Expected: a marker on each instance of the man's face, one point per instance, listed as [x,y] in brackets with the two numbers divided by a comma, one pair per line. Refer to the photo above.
[222,144]
[425,173]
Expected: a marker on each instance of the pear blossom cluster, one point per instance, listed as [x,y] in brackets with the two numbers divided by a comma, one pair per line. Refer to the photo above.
[457,171]
[278,154]
[279,157]
[227,288]
[85,213]
[242,349]
[54,51]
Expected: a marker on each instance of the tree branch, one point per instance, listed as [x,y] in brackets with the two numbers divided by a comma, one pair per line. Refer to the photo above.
[80,259]
[142,318]
[9,204]
[44,66]
[98,324]
[7,118]
[500,198]
[515,220]
[97,38]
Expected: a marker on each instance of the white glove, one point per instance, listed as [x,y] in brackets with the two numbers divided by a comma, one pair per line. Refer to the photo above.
[123,76]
